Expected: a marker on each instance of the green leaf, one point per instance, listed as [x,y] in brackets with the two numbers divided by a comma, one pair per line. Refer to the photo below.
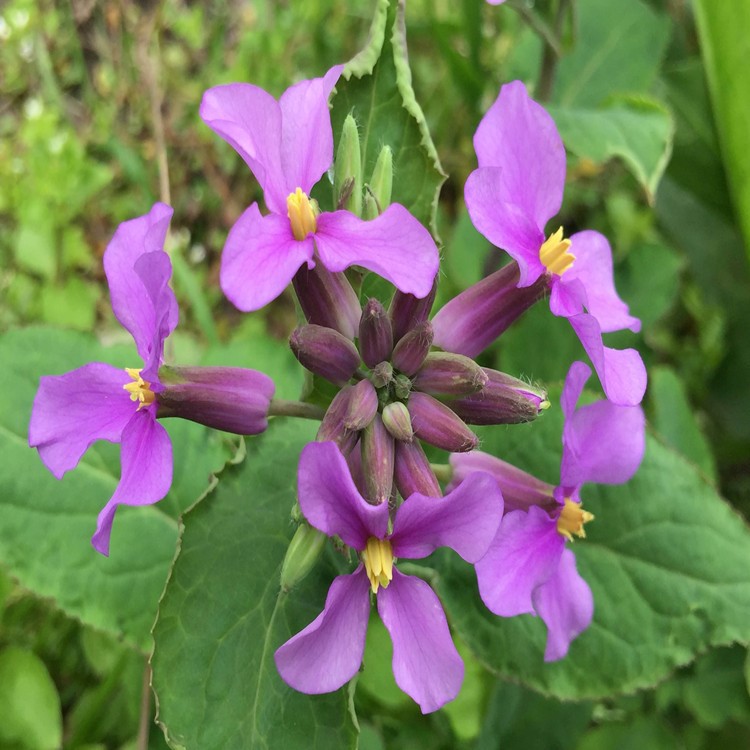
[666,560]
[30,715]
[611,54]
[637,130]
[722,28]
[223,615]
[376,88]
[46,524]
[72,305]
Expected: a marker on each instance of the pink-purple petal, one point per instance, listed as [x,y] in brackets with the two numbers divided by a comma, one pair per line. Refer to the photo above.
[566,299]
[523,555]
[73,410]
[465,520]
[132,301]
[328,652]
[260,258]
[575,380]
[593,269]
[621,371]
[504,223]
[306,135]
[146,474]
[566,605]
[249,119]
[426,665]
[331,502]
[394,245]
[521,138]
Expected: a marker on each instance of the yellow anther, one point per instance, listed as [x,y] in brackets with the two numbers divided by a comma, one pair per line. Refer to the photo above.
[378,559]
[571,520]
[140,390]
[554,253]
[302,213]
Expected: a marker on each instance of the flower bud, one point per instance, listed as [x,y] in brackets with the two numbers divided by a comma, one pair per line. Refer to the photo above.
[375,334]
[351,410]
[444,373]
[302,553]
[520,490]
[470,322]
[382,374]
[377,461]
[327,299]
[412,472]
[347,170]
[402,386]
[378,192]
[232,399]
[437,425]
[411,351]
[325,352]
[397,421]
[408,311]
[503,400]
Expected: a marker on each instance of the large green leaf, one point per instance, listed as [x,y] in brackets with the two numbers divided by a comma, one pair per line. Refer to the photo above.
[223,615]
[46,524]
[376,88]
[666,560]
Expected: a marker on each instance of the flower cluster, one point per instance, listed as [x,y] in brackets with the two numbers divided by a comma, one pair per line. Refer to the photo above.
[403,382]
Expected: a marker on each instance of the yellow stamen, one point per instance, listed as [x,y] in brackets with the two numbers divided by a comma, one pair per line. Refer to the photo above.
[140,390]
[554,253]
[378,559]
[302,213]
[571,520]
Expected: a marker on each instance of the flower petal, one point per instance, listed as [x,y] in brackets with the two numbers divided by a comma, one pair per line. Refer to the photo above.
[146,475]
[523,555]
[575,380]
[504,223]
[464,520]
[330,501]
[621,371]
[394,245]
[426,665]
[147,309]
[566,605]
[519,136]
[249,119]
[328,652]
[73,410]
[306,134]
[260,258]
[593,268]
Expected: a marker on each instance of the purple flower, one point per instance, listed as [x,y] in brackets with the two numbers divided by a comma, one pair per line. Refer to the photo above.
[511,197]
[328,652]
[288,145]
[528,568]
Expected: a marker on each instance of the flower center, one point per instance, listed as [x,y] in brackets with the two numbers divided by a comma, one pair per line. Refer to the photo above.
[140,390]
[554,253]
[378,559]
[571,520]
[302,213]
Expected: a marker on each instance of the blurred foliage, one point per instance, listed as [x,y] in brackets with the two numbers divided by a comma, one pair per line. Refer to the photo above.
[88,93]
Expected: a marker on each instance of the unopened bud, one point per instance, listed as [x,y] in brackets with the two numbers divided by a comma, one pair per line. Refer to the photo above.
[397,421]
[438,425]
[328,299]
[347,170]
[362,407]
[447,374]
[377,461]
[411,351]
[503,400]
[351,410]
[304,550]
[375,334]
[232,399]
[325,352]
[408,311]
[378,191]
[402,386]
[413,473]
[382,374]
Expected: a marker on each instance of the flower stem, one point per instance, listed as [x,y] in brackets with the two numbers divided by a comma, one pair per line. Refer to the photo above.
[280,407]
